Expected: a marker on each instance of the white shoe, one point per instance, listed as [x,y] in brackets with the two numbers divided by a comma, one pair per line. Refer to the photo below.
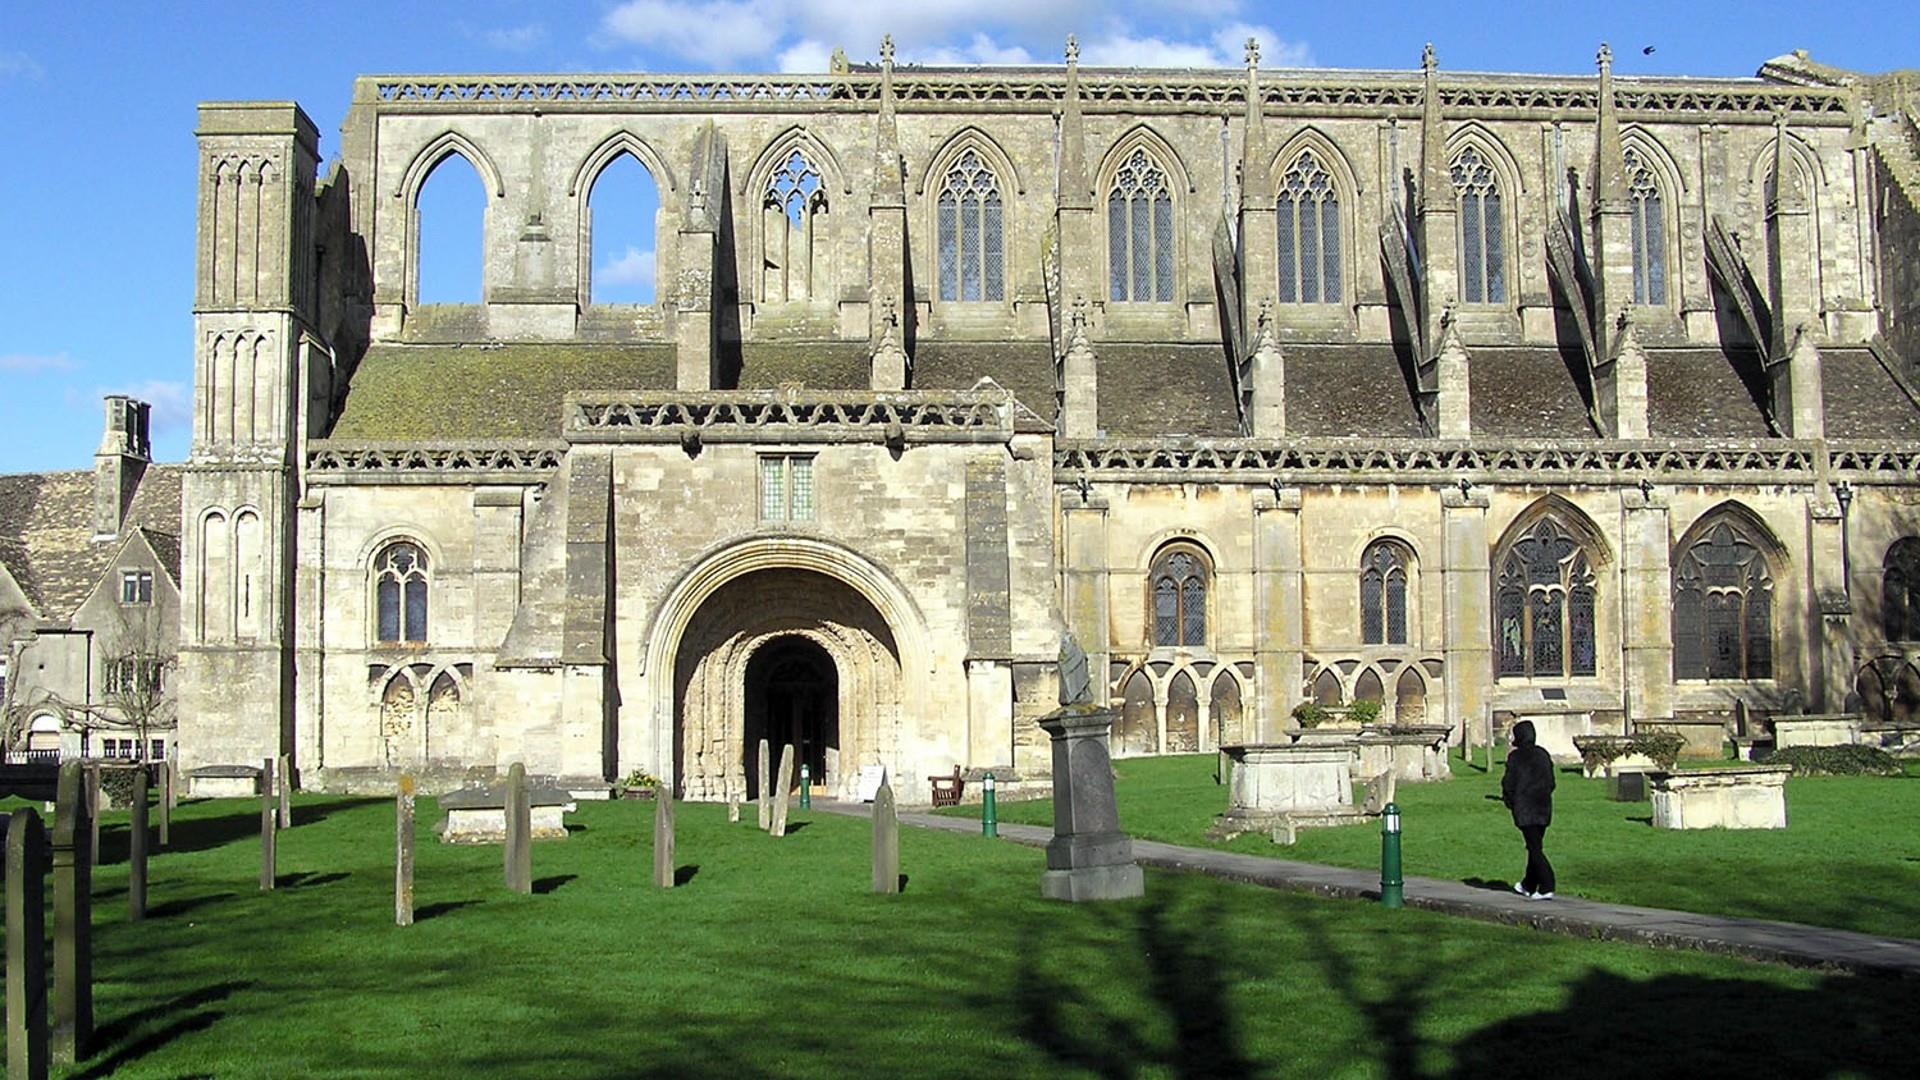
[1521,891]
[1540,896]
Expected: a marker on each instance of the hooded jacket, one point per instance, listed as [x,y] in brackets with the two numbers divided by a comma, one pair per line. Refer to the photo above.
[1527,787]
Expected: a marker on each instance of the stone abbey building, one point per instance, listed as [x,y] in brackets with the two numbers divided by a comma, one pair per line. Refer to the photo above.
[1476,395]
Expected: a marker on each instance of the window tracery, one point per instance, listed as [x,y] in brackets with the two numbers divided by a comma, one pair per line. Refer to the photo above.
[1383,594]
[1483,278]
[1309,228]
[970,227]
[1723,608]
[1649,232]
[1179,595]
[400,587]
[1545,604]
[1140,231]
[793,209]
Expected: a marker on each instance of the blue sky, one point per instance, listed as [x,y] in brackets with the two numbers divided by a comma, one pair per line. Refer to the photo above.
[97,114]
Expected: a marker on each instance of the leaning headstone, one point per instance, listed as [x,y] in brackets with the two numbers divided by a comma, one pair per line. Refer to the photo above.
[93,814]
[166,802]
[26,945]
[886,841]
[137,847]
[403,853]
[733,811]
[663,836]
[780,789]
[519,846]
[72,918]
[766,789]
[286,789]
[266,824]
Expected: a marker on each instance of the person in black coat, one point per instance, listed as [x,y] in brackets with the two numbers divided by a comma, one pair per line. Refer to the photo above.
[1527,789]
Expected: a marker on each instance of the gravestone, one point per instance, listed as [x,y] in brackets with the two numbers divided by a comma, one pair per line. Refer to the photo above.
[766,789]
[886,841]
[286,789]
[663,836]
[868,786]
[93,814]
[733,811]
[26,945]
[403,853]
[137,847]
[519,846]
[1089,858]
[781,785]
[166,802]
[72,919]
[266,825]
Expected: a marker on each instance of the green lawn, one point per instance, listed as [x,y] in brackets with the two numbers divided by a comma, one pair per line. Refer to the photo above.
[773,960]
[1849,858]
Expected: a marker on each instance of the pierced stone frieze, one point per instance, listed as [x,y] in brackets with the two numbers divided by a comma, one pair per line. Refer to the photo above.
[345,461]
[791,416]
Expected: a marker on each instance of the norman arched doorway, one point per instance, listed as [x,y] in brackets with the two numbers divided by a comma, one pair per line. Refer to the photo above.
[792,699]
[795,656]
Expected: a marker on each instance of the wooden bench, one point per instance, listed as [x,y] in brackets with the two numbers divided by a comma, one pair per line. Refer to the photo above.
[947,789]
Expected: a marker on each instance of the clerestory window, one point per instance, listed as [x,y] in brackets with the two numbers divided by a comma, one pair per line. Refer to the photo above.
[1649,232]
[400,591]
[971,233]
[1483,276]
[1308,215]
[1140,232]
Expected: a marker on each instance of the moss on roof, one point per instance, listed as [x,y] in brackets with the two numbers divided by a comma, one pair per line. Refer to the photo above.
[819,365]
[1024,368]
[1349,390]
[1165,390]
[494,391]
[1526,393]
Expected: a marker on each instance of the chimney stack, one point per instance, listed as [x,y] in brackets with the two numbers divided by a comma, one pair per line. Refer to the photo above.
[119,463]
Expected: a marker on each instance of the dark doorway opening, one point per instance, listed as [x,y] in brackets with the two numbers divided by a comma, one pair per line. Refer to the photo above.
[793,698]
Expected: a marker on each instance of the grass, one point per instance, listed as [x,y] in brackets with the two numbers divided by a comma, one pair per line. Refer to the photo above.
[1849,857]
[773,960]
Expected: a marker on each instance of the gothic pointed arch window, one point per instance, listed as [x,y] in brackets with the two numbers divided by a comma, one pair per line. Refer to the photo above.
[793,231]
[970,225]
[400,594]
[1383,593]
[1649,231]
[1483,258]
[1140,231]
[1308,216]
[1723,606]
[1177,592]
[1544,608]
[1900,591]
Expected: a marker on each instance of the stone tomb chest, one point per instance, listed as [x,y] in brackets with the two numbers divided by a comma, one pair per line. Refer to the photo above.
[1266,782]
[479,815]
[1741,797]
[1411,752]
[1837,730]
[224,782]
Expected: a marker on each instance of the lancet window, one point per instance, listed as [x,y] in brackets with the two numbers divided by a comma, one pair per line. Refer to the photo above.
[400,593]
[793,213]
[971,232]
[1383,594]
[1178,586]
[1308,215]
[1140,231]
[1649,232]
[1483,277]
[1544,608]
[1723,608]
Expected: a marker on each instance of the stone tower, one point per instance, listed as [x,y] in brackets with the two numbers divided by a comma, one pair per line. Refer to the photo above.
[253,349]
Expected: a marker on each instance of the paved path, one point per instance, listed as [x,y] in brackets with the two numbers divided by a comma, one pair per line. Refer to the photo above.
[1753,939]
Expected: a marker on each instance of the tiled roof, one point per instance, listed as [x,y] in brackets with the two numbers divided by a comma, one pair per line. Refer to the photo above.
[1526,393]
[1165,390]
[1341,390]
[419,392]
[1025,368]
[1700,393]
[46,532]
[1862,400]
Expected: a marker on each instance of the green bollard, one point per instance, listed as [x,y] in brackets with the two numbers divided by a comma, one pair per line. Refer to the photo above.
[806,788]
[989,812]
[1391,884]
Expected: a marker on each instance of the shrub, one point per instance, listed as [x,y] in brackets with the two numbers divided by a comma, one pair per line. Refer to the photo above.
[1365,712]
[1310,714]
[116,785]
[1838,761]
[1660,747]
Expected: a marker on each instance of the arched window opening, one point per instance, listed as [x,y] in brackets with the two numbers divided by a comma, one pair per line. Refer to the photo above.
[1383,594]
[1139,729]
[1179,592]
[400,584]
[1900,591]
[1544,609]
[1649,232]
[1326,688]
[1223,710]
[1409,699]
[1368,687]
[216,577]
[1723,607]
[793,222]
[1483,277]
[1183,715]
[971,232]
[249,575]
[622,209]
[1309,227]
[1140,231]
[450,247]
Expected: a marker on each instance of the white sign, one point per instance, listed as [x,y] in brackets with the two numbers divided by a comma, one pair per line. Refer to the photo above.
[871,777]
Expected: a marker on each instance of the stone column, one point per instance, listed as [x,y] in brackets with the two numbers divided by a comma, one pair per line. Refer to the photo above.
[137,847]
[72,918]
[1646,583]
[26,945]
[886,841]
[1467,605]
[1089,858]
[403,853]
[663,836]
[1280,634]
[1084,539]
[266,825]
[518,855]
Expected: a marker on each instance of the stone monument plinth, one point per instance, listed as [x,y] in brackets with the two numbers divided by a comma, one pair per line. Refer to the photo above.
[1742,797]
[1271,780]
[1089,857]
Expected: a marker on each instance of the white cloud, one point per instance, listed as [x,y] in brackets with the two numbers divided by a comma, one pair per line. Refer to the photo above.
[172,402]
[982,49]
[719,32]
[1226,47]
[515,38]
[805,57]
[634,267]
[20,64]
[28,363]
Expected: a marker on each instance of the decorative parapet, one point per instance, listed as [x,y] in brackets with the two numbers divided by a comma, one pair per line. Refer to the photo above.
[1591,461]
[353,461]
[1874,463]
[796,416]
[1351,93]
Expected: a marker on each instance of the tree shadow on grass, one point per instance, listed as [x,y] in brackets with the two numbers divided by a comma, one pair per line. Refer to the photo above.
[201,833]
[684,874]
[121,1027]
[150,1042]
[306,879]
[545,885]
[184,904]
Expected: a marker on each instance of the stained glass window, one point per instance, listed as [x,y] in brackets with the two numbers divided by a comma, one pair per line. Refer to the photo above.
[1723,607]
[969,221]
[1383,594]
[1140,239]
[1309,227]
[1179,588]
[1649,233]
[1544,605]
[1482,249]
[400,586]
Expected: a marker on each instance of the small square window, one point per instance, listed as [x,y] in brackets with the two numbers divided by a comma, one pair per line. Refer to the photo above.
[136,586]
[786,487]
